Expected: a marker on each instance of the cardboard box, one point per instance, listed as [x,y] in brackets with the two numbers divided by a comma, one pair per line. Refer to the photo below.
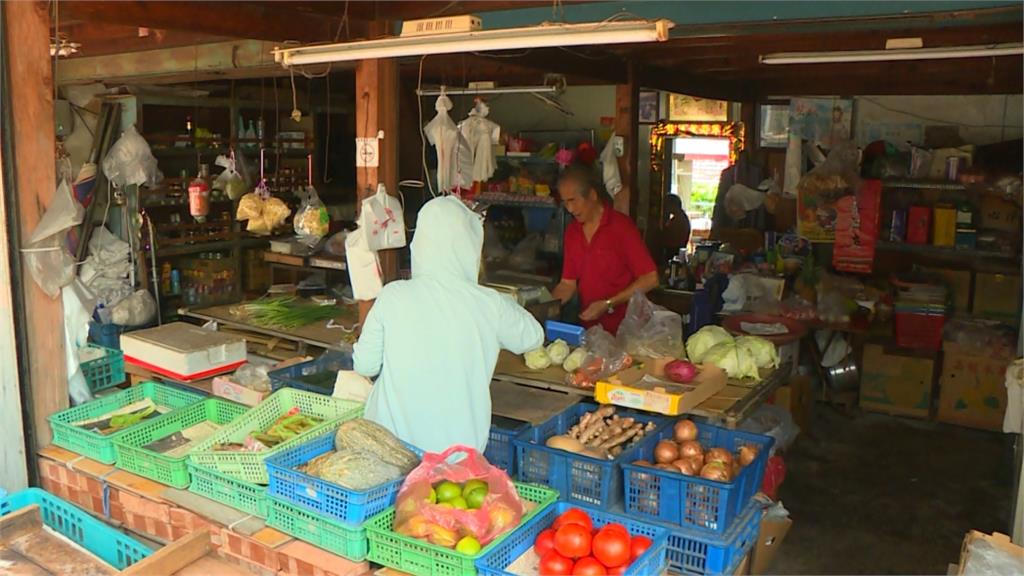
[997,296]
[642,388]
[225,388]
[999,214]
[959,283]
[796,397]
[972,390]
[997,540]
[769,539]
[897,382]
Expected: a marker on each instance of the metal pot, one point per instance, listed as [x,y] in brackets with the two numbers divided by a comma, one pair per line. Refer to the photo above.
[843,376]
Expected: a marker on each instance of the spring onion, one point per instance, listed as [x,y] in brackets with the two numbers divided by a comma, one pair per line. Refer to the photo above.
[286,312]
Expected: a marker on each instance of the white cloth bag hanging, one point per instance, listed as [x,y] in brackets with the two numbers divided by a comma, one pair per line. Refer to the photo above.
[383,221]
[363,266]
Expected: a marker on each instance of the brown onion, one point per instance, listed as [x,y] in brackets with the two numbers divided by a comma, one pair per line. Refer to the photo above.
[666,451]
[698,462]
[715,471]
[668,467]
[641,463]
[719,455]
[691,448]
[736,468]
[747,455]
[687,466]
[685,430]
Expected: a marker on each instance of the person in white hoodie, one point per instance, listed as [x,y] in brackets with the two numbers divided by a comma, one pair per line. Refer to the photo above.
[432,341]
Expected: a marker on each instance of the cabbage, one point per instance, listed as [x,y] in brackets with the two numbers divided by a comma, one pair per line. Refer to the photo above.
[698,344]
[537,359]
[764,353]
[558,351]
[574,360]
[736,362]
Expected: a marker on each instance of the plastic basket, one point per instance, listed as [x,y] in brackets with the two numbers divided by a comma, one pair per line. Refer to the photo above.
[701,552]
[97,446]
[103,541]
[500,450]
[335,537]
[652,562]
[321,496]
[692,501]
[105,372]
[106,335]
[250,466]
[421,558]
[577,478]
[134,457]
[314,375]
[231,492]
[920,330]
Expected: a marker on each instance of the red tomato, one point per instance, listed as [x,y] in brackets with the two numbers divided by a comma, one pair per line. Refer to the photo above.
[618,570]
[588,566]
[611,547]
[554,564]
[545,542]
[615,526]
[638,546]
[574,516]
[573,541]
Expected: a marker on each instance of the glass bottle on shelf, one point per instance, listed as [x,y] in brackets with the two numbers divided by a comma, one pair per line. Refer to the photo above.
[199,194]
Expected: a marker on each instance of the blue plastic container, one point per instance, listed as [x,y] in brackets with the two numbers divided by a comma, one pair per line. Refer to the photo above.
[322,496]
[500,450]
[106,335]
[105,542]
[571,333]
[313,375]
[577,478]
[702,552]
[495,562]
[692,501]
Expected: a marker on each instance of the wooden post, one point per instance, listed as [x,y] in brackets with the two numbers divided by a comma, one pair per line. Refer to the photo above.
[27,38]
[627,98]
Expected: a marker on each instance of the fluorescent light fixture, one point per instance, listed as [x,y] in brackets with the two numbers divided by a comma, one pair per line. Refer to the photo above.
[943,53]
[496,90]
[543,36]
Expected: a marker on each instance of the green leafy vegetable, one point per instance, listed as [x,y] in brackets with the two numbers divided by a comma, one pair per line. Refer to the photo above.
[286,312]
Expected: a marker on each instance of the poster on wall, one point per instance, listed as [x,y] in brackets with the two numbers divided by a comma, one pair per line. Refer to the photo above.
[826,121]
[649,107]
[690,108]
[856,230]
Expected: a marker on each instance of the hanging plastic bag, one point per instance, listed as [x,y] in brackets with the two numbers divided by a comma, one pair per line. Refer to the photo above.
[138,309]
[49,261]
[77,302]
[312,222]
[130,161]
[610,168]
[605,356]
[363,267]
[384,221]
[651,330]
[230,181]
[415,516]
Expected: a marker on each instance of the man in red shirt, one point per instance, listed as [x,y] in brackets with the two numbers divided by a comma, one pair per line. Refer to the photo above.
[604,256]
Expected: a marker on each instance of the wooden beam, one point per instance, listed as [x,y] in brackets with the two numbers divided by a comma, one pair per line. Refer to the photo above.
[700,85]
[31,98]
[173,557]
[232,19]
[99,39]
[627,98]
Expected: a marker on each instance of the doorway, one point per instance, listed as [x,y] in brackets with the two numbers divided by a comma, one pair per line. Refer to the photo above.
[696,165]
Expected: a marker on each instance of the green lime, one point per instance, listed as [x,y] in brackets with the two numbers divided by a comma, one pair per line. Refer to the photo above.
[468,546]
[459,503]
[475,499]
[432,498]
[473,485]
[446,491]
[445,505]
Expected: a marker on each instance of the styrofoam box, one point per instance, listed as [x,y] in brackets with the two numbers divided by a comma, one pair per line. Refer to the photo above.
[183,351]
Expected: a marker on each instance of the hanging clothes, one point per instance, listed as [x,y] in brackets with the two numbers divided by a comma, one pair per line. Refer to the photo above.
[481,134]
[454,156]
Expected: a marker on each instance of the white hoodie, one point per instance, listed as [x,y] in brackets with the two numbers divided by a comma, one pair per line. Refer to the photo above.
[434,339]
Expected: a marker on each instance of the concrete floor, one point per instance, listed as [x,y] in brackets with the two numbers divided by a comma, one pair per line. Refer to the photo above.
[873,494]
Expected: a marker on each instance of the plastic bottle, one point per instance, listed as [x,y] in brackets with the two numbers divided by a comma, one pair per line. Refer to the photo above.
[199,197]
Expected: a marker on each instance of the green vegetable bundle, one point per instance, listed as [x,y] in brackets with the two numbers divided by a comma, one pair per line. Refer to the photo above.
[286,312]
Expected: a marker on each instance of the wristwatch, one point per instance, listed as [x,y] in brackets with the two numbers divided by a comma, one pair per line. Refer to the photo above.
[608,304]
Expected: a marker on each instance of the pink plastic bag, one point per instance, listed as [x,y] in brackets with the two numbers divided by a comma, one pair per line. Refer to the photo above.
[443,525]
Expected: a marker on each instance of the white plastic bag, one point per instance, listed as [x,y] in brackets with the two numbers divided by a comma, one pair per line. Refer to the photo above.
[651,330]
[135,310]
[130,161]
[351,386]
[76,304]
[230,181]
[363,267]
[382,220]
[49,262]
[610,168]
[312,222]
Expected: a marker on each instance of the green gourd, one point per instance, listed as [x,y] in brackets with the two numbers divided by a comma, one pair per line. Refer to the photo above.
[358,470]
[366,436]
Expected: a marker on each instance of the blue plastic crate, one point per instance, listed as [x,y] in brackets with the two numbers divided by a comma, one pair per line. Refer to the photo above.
[654,561]
[692,501]
[105,542]
[500,450]
[571,333]
[705,553]
[313,375]
[106,335]
[322,496]
[577,478]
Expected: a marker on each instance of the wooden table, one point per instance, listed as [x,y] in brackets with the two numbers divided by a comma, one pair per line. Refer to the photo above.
[728,407]
[316,334]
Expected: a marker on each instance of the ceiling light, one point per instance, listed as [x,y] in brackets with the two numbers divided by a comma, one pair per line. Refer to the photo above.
[543,36]
[946,52]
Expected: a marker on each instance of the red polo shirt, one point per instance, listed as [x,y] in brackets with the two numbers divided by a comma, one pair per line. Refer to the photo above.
[611,261]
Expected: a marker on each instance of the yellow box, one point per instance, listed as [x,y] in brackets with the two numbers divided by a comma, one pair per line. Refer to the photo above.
[944,226]
[640,389]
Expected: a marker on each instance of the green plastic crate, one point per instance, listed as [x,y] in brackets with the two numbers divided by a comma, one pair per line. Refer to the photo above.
[104,372]
[421,558]
[97,446]
[335,537]
[231,492]
[250,466]
[133,457]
